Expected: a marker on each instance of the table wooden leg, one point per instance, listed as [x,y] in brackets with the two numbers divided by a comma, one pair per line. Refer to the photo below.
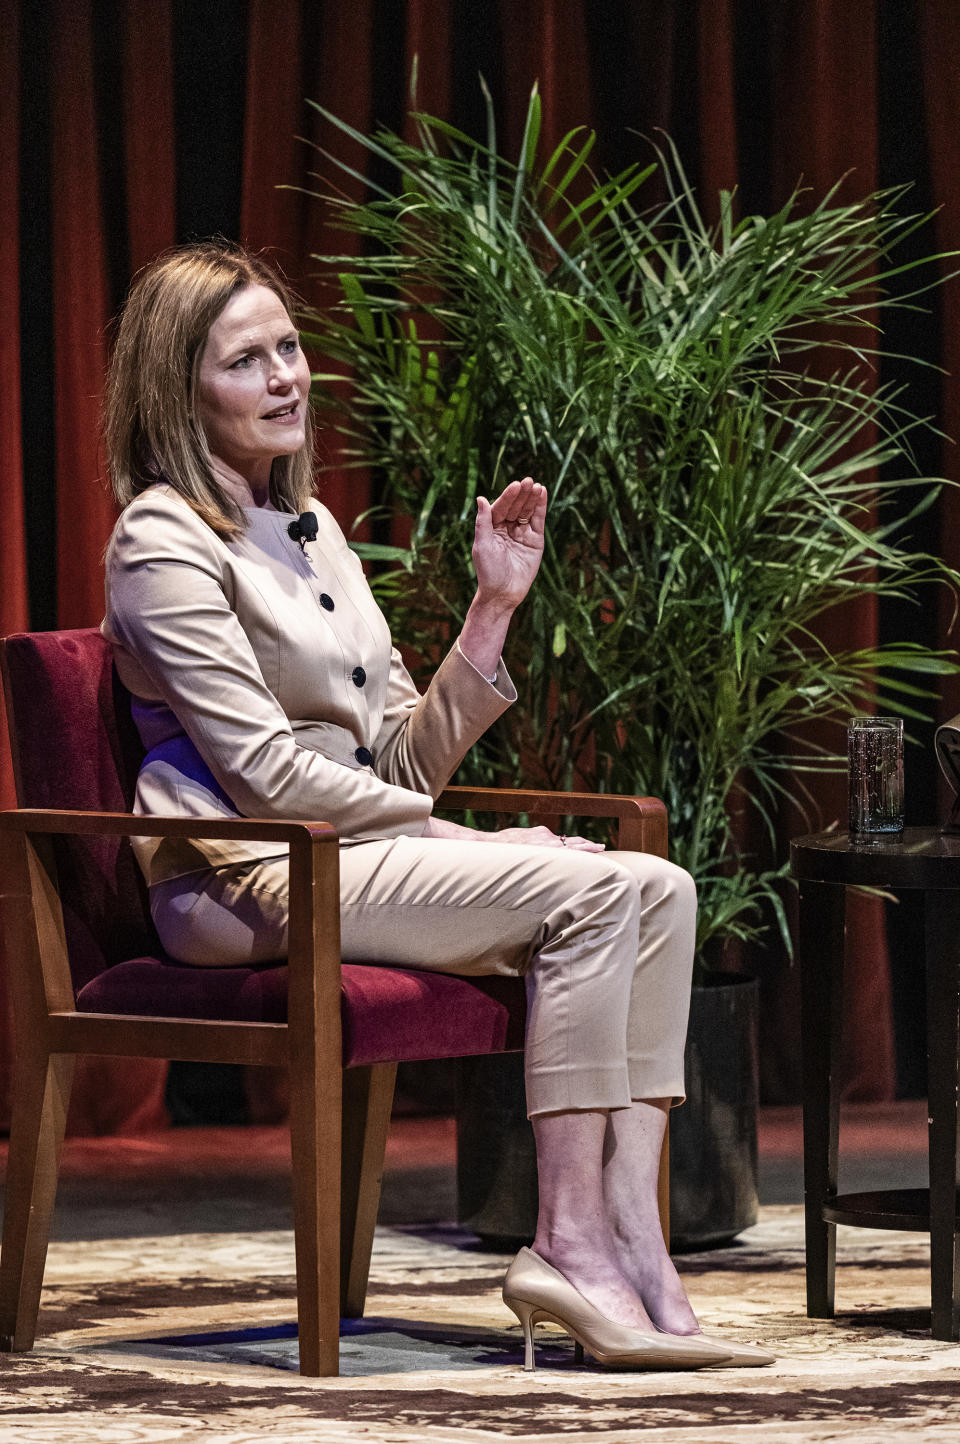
[820,959]
[942,911]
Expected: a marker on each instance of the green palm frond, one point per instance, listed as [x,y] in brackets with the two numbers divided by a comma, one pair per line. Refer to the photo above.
[702,404]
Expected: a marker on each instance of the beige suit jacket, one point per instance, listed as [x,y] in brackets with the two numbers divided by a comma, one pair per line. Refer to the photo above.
[265,684]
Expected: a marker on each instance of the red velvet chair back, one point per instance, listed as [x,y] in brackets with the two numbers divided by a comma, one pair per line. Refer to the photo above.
[75,745]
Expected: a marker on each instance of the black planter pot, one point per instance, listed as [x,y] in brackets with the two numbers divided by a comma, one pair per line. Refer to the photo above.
[496,1160]
[713,1137]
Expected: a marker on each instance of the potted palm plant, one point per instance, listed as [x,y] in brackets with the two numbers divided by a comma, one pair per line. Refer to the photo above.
[712,495]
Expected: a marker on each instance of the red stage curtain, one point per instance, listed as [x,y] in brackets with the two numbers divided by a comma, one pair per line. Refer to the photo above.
[271,218]
[120,1094]
[13,562]
[717,99]
[756,97]
[825,109]
[148,130]
[940,32]
[81,304]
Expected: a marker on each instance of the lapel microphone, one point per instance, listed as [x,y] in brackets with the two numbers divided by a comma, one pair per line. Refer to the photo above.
[304,529]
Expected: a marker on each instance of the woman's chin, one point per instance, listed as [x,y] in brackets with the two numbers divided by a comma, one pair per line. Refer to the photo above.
[288,441]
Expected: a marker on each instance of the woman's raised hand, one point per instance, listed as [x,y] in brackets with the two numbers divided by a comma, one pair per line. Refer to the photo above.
[508,542]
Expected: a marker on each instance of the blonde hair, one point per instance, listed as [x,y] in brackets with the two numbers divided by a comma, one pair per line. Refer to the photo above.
[150,423]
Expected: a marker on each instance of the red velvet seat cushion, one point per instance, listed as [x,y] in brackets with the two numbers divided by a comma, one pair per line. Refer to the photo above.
[388,1014]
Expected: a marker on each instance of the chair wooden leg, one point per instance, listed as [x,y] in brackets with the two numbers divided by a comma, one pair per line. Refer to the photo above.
[41,1096]
[315,1152]
[367,1101]
[943,1066]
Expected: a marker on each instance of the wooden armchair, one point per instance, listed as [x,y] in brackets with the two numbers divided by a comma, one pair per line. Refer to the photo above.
[88,976]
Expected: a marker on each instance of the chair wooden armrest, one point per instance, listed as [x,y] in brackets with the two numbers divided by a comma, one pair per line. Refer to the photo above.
[641,821]
[129,824]
[642,817]
[28,879]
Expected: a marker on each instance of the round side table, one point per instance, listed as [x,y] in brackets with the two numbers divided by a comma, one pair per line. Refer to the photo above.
[825,864]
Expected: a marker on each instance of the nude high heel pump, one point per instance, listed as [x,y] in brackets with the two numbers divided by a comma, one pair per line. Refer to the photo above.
[740,1356]
[539,1293]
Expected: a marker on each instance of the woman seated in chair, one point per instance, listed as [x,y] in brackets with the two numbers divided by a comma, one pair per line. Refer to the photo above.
[265,685]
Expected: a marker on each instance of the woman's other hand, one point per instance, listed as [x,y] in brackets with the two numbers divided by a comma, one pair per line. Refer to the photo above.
[508,543]
[543,837]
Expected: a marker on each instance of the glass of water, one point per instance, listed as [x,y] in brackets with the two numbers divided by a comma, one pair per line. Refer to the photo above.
[875,758]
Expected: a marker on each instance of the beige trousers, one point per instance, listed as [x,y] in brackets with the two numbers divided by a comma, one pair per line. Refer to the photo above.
[604,940]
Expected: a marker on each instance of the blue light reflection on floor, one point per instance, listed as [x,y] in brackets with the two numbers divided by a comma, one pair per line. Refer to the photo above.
[368,1347]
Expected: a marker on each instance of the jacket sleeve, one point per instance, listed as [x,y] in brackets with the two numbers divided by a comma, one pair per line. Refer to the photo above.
[423,740]
[179,641]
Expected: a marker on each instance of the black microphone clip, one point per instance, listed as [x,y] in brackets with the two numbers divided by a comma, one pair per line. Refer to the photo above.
[304,529]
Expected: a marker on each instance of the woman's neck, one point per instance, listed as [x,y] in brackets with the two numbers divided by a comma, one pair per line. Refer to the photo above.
[247,490]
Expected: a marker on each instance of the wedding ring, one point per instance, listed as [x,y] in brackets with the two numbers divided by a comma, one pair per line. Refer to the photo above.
[523,521]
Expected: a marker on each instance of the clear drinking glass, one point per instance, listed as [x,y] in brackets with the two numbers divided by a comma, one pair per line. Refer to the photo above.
[875,758]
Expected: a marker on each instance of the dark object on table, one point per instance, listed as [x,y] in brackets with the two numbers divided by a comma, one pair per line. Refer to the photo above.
[925,859]
[946,742]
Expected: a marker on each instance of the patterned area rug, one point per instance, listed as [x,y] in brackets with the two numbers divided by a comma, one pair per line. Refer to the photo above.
[190,1337]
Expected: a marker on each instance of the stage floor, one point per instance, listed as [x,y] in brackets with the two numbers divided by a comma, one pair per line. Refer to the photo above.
[169,1300]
